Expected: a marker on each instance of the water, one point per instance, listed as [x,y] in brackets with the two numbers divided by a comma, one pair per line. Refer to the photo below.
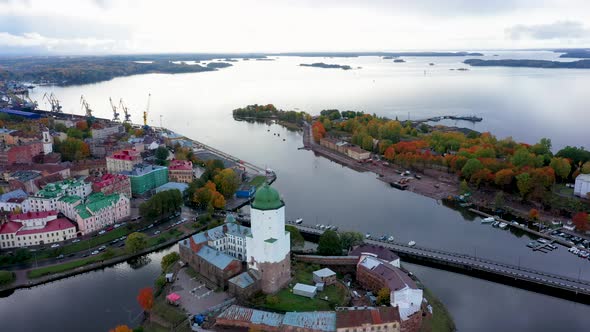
[199,106]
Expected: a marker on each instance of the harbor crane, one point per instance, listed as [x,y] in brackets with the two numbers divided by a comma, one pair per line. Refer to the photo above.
[115,113]
[145,113]
[54,102]
[125,110]
[86,107]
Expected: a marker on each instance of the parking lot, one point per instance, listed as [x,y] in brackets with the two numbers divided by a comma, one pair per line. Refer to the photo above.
[195,296]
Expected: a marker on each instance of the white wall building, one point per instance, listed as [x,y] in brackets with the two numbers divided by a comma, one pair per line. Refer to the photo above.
[35,228]
[46,199]
[582,186]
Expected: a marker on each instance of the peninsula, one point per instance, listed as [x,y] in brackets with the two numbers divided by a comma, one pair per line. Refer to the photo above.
[326,66]
[580,64]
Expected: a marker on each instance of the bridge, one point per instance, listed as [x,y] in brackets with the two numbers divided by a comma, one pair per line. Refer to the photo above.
[543,282]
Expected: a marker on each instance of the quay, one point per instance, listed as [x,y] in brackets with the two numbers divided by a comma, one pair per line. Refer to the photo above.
[573,289]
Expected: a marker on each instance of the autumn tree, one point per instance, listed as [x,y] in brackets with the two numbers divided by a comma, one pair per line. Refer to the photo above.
[522,157]
[503,178]
[524,183]
[585,169]
[534,214]
[318,131]
[217,200]
[330,244]
[145,298]
[389,153]
[121,328]
[136,242]
[383,296]
[581,221]
[561,166]
[471,167]
[227,182]
[72,149]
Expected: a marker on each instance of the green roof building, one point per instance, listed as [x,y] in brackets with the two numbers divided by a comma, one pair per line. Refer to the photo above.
[267,198]
[146,177]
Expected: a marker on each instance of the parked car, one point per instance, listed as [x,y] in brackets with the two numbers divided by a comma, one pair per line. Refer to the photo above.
[150,226]
[75,240]
[122,238]
[55,245]
[157,232]
[95,252]
[60,256]
[110,228]
[117,225]
[101,248]
[102,232]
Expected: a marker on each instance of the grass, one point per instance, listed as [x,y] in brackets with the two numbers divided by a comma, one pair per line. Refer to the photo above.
[257,181]
[440,320]
[6,277]
[168,312]
[37,273]
[96,241]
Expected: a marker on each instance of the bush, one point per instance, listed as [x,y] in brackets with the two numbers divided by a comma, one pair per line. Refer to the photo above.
[169,260]
[6,277]
[272,300]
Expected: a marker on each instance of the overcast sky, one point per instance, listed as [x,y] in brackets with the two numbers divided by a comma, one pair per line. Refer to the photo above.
[149,26]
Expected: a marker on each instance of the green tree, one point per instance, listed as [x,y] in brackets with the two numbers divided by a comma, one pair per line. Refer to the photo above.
[471,167]
[351,239]
[226,182]
[524,183]
[135,242]
[499,200]
[383,296]
[561,166]
[161,155]
[576,155]
[522,157]
[168,260]
[330,244]
[296,237]
[464,187]
[585,169]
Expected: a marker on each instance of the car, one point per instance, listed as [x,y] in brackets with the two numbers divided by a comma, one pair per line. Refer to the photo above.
[114,241]
[121,244]
[101,248]
[55,245]
[157,232]
[75,240]
[150,226]
[122,238]
[182,220]
[102,232]
[110,228]
[60,256]
[95,252]
[85,254]
[117,225]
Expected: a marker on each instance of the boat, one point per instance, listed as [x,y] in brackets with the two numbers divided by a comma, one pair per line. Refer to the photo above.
[334,228]
[488,220]
[412,243]
[383,238]
[495,224]
[503,225]
[390,239]
[368,235]
[417,176]
[299,221]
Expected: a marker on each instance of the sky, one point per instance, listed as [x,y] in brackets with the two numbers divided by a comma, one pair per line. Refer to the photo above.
[189,26]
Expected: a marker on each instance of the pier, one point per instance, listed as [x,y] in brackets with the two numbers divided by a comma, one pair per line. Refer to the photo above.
[470,118]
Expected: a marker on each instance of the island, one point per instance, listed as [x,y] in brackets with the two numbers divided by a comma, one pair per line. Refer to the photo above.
[574,53]
[580,64]
[380,54]
[326,66]
[218,65]
[399,60]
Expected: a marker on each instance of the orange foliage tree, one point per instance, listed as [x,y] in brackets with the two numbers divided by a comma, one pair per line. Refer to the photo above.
[581,221]
[318,131]
[534,214]
[389,153]
[121,328]
[146,298]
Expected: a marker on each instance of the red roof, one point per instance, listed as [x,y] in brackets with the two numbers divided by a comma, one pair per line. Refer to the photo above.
[10,227]
[52,226]
[125,155]
[184,165]
[358,317]
[108,179]
[33,215]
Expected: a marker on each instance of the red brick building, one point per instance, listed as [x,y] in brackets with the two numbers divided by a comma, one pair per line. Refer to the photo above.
[180,171]
[112,183]
[20,154]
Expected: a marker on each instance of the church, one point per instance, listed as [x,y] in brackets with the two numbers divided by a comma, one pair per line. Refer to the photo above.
[245,259]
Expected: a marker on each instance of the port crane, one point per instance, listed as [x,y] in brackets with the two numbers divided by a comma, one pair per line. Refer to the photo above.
[125,110]
[145,113]
[55,106]
[115,113]
[86,107]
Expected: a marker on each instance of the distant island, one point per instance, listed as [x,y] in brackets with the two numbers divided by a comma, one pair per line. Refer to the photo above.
[380,54]
[326,65]
[574,53]
[580,64]
[218,65]
[399,60]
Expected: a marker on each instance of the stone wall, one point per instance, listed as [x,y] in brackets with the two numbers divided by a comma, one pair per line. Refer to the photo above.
[275,276]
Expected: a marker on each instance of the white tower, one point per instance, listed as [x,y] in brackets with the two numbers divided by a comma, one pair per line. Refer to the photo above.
[269,246]
[47,142]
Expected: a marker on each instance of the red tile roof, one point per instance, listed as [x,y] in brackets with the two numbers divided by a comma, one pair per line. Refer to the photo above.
[371,316]
[180,165]
[125,155]
[52,226]
[32,215]
[108,179]
[10,227]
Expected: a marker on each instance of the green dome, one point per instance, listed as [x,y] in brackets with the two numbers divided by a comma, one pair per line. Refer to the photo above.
[267,198]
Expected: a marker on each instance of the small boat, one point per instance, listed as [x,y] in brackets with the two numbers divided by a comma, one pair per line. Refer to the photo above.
[532,244]
[299,221]
[503,225]
[495,224]
[368,236]
[488,220]
[543,241]
[322,227]
[417,176]
[412,243]
[334,228]
[390,239]
[317,225]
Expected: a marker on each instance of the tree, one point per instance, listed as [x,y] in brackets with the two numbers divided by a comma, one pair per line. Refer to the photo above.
[581,221]
[522,157]
[217,200]
[504,177]
[576,155]
[161,155]
[145,298]
[464,187]
[121,328]
[318,131]
[169,259]
[162,203]
[296,237]
[524,183]
[135,242]
[330,244]
[351,239]
[389,153]
[561,166]
[72,149]
[534,214]
[383,296]
[585,169]
[471,167]
[227,182]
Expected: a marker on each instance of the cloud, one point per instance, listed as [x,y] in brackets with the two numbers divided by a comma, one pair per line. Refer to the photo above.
[556,30]
[33,41]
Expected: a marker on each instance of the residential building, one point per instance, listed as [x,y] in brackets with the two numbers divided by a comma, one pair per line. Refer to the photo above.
[582,185]
[357,153]
[46,199]
[382,253]
[305,290]
[180,171]
[20,154]
[35,228]
[316,321]
[111,184]
[375,274]
[104,133]
[98,211]
[383,319]
[14,201]
[124,160]
[145,178]
[24,180]
[5,136]
[324,276]
[89,167]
